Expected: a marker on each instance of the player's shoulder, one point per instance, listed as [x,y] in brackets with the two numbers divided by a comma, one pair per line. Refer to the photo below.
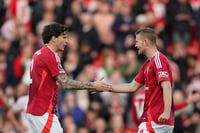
[159,60]
[160,57]
[44,53]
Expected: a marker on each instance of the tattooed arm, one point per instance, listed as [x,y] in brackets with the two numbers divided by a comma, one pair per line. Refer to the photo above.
[68,83]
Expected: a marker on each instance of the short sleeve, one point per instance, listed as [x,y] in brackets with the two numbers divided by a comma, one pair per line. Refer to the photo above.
[161,69]
[54,65]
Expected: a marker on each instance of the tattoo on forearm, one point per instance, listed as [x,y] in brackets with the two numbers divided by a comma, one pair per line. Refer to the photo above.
[68,83]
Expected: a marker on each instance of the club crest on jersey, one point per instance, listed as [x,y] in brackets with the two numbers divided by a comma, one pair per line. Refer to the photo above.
[162,74]
[61,70]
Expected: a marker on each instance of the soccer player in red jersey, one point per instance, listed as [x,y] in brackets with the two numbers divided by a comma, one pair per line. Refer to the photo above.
[156,77]
[139,99]
[46,71]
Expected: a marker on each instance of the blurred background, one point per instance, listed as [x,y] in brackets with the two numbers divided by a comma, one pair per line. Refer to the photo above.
[101,44]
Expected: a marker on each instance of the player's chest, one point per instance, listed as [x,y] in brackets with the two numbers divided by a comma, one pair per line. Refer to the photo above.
[149,73]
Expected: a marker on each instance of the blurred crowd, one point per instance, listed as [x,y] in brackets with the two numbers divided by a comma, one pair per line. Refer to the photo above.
[101,43]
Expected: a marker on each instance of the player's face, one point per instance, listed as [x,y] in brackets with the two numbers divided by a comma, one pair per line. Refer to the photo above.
[62,42]
[140,44]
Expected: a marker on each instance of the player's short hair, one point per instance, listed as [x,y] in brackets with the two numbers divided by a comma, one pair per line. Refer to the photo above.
[54,29]
[147,33]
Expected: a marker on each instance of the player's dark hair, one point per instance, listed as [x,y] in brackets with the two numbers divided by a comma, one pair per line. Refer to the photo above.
[148,33]
[51,30]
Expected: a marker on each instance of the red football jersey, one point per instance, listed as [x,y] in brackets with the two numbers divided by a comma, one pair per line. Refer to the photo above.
[154,71]
[137,106]
[45,66]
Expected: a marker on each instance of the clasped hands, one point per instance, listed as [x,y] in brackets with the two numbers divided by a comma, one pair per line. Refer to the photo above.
[100,86]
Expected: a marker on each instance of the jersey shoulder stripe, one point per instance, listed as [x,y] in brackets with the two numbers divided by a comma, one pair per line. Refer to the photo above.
[157,60]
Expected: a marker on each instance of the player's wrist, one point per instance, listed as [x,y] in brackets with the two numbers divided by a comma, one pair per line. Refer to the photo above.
[93,86]
[167,112]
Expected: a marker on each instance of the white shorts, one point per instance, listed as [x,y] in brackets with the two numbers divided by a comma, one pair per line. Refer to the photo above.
[47,123]
[154,128]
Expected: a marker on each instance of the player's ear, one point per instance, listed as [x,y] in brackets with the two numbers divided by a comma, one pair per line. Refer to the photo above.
[54,38]
[146,42]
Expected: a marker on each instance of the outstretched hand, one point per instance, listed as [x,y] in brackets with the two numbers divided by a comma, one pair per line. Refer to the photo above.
[100,86]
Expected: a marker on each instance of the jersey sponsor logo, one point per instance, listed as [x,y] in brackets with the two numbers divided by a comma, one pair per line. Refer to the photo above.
[61,70]
[162,74]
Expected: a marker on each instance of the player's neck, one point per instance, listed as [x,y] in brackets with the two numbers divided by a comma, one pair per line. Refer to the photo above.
[151,52]
[51,47]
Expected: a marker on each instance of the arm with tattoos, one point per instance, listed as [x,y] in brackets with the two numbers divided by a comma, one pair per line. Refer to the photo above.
[68,83]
